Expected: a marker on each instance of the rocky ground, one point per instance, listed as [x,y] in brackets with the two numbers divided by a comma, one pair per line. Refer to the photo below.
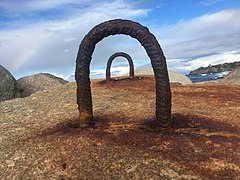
[40,138]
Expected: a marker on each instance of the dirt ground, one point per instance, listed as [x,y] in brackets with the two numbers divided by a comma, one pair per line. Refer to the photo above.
[40,137]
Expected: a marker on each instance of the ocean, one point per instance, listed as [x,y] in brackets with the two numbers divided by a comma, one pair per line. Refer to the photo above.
[207,77]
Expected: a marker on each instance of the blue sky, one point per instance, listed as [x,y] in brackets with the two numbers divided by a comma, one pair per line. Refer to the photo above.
[44,35]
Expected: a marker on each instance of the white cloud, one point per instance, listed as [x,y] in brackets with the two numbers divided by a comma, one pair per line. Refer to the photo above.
[216,24]
[115,71]
[70,39]
[215,59]
[210,2]
[14,6]
[184,65]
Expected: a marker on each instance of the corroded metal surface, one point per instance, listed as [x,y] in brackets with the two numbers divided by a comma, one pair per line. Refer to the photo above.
[154,51]
[115,55]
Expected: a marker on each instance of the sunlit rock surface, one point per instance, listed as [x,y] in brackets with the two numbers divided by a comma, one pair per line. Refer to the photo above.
[40,137]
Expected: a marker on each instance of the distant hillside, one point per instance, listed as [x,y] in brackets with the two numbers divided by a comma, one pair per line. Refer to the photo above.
[216,68]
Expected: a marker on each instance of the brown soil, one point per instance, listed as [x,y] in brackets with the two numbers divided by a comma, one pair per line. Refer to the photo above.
[126,142]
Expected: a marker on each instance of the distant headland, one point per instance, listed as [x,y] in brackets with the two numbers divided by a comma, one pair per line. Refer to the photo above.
[216,68]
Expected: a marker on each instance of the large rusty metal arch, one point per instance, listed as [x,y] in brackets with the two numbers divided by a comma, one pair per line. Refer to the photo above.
[115,55]
[154,51]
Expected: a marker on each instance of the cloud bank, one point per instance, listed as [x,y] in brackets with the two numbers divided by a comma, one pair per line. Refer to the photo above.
[208,39]
[53,45]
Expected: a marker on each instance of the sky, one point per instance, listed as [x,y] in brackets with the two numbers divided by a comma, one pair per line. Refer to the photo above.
[44,35]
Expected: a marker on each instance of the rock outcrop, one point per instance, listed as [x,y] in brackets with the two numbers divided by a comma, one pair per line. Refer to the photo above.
[178,77]
[232,78]
[38,82]
[7,85]
[173,76]
[40,138]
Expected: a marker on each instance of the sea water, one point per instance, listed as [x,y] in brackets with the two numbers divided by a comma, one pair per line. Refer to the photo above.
[207,77]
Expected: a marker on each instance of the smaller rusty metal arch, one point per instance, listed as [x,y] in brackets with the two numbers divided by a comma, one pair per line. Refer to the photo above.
[115,55]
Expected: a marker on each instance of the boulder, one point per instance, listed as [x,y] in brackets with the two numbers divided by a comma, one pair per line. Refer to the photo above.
[38,82]
[7,85]
[178,77]
[173,76]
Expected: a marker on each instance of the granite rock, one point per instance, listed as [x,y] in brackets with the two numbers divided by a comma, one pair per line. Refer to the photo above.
[7,85]
[38,82]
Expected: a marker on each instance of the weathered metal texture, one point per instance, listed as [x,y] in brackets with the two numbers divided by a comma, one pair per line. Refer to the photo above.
[115,55]
[154,51]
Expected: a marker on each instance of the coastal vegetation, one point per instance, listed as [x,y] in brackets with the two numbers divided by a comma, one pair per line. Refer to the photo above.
[216,68]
